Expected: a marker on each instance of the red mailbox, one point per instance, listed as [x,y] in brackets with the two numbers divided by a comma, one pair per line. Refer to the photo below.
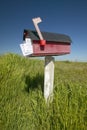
[53,44]
[37,43]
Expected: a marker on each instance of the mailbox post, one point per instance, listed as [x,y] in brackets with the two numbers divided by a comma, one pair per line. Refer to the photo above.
[48,78]
[46,44]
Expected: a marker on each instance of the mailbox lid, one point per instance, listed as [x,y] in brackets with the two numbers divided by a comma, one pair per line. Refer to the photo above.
[48,36]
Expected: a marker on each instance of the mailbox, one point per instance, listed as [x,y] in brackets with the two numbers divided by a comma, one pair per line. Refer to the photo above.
[53,44]
[37,43]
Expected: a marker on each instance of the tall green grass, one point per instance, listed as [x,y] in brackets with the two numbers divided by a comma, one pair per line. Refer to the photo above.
[22,105]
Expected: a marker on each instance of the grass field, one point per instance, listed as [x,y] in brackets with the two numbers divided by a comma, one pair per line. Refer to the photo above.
[22,105]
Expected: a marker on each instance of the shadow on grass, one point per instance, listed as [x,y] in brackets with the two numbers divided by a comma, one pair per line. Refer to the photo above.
[33,83]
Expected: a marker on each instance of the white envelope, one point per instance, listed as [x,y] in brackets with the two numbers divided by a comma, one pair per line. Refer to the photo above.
[27,47]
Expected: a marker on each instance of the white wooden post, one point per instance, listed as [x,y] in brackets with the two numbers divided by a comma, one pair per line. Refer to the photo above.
[48,78]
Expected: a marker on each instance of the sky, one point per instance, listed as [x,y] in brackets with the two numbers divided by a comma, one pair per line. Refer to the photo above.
[59,16]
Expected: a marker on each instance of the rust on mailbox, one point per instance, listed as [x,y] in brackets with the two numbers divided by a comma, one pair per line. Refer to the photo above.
[56,44]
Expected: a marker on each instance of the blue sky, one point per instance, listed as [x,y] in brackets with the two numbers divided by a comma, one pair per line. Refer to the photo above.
[59,16]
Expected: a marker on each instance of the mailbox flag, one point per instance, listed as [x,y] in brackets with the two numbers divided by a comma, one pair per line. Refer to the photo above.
[37,20]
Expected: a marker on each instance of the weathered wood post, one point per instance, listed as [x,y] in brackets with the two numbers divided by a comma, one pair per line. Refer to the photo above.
[48,78]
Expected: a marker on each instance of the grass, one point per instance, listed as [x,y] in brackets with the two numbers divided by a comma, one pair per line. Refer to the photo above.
[22,105]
